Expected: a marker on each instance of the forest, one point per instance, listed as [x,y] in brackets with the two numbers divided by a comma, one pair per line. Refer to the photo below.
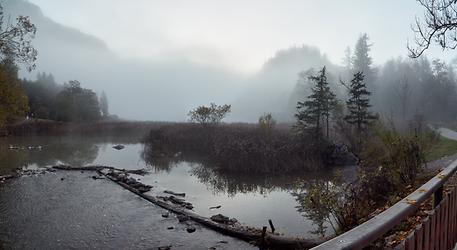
[334,143]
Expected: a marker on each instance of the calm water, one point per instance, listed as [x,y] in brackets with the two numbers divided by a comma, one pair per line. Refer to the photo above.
[251,199]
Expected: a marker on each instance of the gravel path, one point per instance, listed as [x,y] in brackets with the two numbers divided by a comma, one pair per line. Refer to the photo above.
[444,161]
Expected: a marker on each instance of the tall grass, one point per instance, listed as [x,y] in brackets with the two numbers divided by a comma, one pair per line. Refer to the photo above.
[234,147]
[48,127]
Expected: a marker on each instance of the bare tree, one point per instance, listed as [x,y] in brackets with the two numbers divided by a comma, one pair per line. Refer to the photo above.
[212,114]
[439,25]
[404,92]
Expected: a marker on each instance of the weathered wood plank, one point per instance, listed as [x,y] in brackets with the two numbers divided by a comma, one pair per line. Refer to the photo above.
[426,240]
[450,219]
[419,235]
[454,217]
[410,242]
[432,230]
[444,223]
[438,228]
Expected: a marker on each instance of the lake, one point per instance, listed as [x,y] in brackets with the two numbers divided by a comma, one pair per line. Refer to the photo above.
[250,199]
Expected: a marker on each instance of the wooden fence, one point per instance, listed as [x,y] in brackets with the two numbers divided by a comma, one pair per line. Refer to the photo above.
[438,231]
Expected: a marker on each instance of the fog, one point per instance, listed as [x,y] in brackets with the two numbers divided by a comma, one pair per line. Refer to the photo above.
[157,60]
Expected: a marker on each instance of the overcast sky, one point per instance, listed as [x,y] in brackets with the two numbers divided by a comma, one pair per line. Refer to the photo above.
[240,34]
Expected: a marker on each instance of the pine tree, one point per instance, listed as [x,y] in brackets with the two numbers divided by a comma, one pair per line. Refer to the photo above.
[312,113]
[362,61]
[358,103]
[104,104]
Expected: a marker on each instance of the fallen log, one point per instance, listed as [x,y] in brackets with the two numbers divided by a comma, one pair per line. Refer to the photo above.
[244,233]
[98,168]
[8,176]
[174,193]
[249,234]
[85,168]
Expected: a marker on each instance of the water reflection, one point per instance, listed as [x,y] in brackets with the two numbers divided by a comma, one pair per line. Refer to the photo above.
[252,199]
[320,201]
[44,151]
[232,184]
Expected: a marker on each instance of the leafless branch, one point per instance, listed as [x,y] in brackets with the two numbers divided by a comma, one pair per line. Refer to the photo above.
[439,25]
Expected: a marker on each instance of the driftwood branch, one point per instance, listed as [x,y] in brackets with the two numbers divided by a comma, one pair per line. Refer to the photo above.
[5,177]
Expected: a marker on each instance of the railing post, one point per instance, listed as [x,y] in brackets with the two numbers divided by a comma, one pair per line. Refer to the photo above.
[437,196]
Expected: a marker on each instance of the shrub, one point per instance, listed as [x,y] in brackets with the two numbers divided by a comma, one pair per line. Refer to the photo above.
[212,114]
[391,163]
[267,123]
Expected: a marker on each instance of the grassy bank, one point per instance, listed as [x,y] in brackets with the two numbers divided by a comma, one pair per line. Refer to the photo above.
[237,147]
[48,127]
[441,148]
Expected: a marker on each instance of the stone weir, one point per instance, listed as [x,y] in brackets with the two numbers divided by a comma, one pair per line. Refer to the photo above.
[220,223]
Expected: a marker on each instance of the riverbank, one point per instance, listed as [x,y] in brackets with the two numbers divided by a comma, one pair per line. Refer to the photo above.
[39,127]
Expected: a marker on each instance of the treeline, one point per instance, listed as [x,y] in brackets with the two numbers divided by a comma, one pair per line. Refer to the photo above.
[43,98]
[408,88]
[404,90]
[390,138]
[68,102]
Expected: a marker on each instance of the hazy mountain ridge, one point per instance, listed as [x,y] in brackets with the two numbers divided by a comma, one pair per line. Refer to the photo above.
[164,90]
[273,87]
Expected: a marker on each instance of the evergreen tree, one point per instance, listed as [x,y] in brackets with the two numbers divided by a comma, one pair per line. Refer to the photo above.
[316,110]
[358,103]
[104,104]
[362,61]
[347,59]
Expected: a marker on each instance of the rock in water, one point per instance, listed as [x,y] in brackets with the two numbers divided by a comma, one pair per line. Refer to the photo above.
[182,218]
[191,229]
[219,218]
[165,215]
[119,147]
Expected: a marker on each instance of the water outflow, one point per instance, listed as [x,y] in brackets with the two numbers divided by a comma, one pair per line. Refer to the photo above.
[70,210]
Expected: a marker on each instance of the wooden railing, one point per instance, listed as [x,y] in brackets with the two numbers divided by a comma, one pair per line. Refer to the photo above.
[438,231]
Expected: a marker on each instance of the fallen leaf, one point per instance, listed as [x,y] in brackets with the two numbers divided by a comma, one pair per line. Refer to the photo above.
[411,201]
[422,190]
